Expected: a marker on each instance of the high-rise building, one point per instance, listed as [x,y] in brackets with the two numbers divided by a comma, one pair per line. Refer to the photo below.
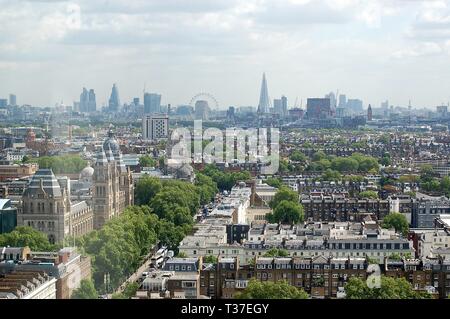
[114,102]
[318,108]
[3,102]
[342,101]
[278,106]
[152,103]
[88,103]
[155,127]
[202,110]
[284,105]
[369,113]
[136,101]
[264,103]
[12,100]
[355,105]
[332,98]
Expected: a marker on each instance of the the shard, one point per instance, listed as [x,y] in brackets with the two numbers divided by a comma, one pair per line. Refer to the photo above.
[264,103]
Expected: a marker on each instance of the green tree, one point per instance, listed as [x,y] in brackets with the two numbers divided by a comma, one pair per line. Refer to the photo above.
[210,259]
[345,164]
[207,188]
[65,164]
[284,193]
[368,194]
[146,188]
[23,236]
[298,156]
[287,212]
[147,161]
[181,254]
[330,175]
[397,221]
[274,182]
[318,156]
[274,252]
[85,291]
[271,290]
[391,288]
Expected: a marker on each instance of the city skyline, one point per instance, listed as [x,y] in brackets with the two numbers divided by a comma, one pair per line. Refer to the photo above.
[389,50]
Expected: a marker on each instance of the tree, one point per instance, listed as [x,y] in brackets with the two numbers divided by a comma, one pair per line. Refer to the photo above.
[23,236]
[207,188]
[345,164]
[146,188]
[147,161]
[181,254]
[319,156]
[330,175]
[85,291]
[283,193]
[368,194]
[271,290]
[298,156]
[210,259]
[274,252]
[397,221]
[287,212]
[274,182]
[65,164]
[391,288]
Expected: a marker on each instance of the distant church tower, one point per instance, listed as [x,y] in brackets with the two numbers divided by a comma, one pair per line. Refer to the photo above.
[369,113]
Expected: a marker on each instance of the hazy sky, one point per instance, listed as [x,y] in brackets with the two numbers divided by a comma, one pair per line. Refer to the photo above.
[368,49]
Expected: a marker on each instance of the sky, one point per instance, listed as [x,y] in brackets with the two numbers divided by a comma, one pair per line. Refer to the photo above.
[369,49]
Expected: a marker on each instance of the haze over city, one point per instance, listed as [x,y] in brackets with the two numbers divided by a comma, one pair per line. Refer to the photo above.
[372,50]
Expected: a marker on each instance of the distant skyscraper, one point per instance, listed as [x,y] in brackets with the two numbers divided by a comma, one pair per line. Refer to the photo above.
[87,101]
[284,105]
[12,100]
[342,101]
[264,103]
[114,102]
[152,103]
[278,106]
[332,98]
[3,102]
[317,108]
[369,113]
[136,101]
[355,105]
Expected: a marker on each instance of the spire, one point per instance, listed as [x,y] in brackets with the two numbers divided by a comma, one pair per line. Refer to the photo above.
[109,155]
[264,103]
[101,157]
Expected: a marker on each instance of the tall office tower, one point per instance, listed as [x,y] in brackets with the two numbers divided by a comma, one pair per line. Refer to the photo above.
[84,99]
[87,101]
[278,106]
[114,103]
[264,103]
[342,101]
[317,108]
[284,105]
[3,102]
[92,104]
[332,98]
[136,101]
[385,105]
[202,110]
[155,127]
[152,103]
[355,105]
[12,100]
[369,113]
